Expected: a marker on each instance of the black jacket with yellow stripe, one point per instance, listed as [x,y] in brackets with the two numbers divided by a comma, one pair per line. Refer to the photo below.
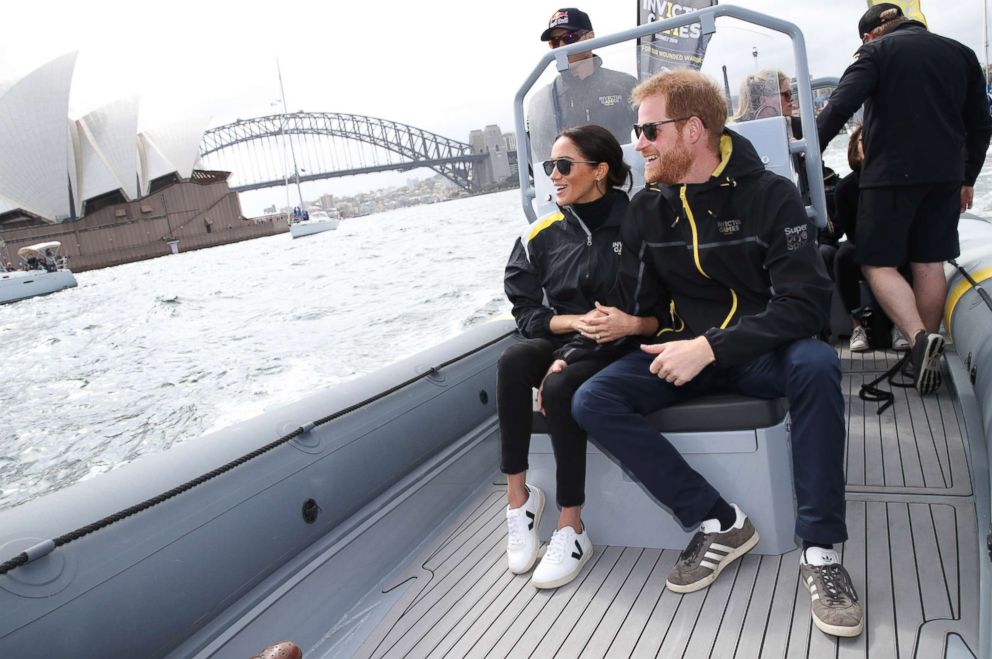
[737,254]
[562,267]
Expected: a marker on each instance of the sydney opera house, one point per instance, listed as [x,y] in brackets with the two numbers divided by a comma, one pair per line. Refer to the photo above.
[109,193]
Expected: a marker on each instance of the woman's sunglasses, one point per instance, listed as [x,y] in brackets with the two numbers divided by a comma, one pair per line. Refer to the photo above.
[564,165]
[567,39]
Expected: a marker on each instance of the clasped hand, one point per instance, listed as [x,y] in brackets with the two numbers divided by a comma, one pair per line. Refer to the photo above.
[605,324]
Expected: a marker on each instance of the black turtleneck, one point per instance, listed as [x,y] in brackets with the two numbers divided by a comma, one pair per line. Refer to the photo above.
[595,213]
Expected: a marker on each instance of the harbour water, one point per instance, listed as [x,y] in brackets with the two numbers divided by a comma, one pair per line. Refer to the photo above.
[149,354]
[146,355]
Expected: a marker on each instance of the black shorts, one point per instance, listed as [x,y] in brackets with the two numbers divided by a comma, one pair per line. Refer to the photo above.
[908,224]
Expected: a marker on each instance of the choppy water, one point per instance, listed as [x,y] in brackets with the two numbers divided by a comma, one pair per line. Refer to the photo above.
[145,355]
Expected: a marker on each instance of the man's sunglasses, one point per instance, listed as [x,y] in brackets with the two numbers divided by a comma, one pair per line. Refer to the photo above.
[650,129]
[564,165]
[567,39]
[787,94]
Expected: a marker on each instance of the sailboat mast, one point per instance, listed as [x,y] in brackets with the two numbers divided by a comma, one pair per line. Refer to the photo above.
[985,32]
[292,151]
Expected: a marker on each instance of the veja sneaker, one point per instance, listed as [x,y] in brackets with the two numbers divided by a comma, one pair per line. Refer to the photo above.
[709,551]
[835,607]
[899,342]
[925,356]
[522,523]
[859,340]
[567,552]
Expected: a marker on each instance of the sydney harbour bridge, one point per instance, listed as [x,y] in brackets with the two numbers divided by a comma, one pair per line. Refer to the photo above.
[268,151]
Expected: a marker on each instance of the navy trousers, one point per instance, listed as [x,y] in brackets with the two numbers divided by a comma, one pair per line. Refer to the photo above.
[611,407]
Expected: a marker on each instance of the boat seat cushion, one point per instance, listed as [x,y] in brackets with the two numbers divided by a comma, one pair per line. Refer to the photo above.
[711,413]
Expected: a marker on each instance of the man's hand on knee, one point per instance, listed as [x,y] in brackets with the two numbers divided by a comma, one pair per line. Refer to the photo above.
[679,362]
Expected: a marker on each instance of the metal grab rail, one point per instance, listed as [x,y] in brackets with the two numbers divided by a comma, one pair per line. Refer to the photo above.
[809,143]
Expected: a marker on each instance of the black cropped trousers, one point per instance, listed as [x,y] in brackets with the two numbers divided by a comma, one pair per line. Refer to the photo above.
[521,368]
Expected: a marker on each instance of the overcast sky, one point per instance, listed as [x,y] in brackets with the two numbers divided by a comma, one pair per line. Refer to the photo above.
[443,65]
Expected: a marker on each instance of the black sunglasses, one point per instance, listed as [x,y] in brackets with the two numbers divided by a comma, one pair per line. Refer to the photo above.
[567,39]
[564,165]
[787,94]
[650,129]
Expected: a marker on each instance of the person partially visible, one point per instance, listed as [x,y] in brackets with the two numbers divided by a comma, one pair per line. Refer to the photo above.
[924,105]
[847,272]
[587,93]
[732,245]
[764,94]
[50,264]
[282,650]
[560,279]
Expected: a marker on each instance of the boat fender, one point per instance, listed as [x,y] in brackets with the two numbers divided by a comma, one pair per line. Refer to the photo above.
[307,427]
[974,284]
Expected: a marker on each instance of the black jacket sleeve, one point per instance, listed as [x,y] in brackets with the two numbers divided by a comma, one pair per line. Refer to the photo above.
[522,284]
[801,289]
[638,287]
[977,123]
[854,88]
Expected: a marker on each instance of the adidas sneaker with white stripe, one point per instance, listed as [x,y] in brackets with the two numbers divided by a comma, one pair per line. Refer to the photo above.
[709,551]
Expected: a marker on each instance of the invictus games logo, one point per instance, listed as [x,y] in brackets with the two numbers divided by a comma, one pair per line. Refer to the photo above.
[618,247]
[796,237]
[728,227]
[610,101]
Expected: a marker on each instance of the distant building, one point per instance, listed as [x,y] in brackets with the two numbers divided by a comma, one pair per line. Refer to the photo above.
[52,166]
[502,150]
[109,193]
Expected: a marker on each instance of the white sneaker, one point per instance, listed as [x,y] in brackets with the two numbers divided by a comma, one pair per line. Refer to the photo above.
[899,342]
[567,552]
[522,523]
[859,340]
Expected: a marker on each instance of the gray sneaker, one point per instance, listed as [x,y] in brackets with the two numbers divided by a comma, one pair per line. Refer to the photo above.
[710,551]
[859,340]
[835,606]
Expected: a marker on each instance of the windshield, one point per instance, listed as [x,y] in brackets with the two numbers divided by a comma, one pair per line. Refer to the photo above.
[754,66]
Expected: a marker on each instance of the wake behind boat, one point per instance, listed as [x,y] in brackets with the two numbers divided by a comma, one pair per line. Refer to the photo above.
[369,520]
[44,271]
[313,221]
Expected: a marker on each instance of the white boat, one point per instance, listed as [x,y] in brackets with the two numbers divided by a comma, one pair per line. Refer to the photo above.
[314,221]
[45,272]
[368,519]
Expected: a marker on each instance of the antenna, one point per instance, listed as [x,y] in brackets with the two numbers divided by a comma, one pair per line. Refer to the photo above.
[985,31]
[292,151]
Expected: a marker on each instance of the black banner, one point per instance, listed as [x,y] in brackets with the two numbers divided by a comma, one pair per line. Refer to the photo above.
[680,48]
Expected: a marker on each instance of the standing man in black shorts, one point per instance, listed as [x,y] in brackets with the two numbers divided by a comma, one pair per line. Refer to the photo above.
[925,106]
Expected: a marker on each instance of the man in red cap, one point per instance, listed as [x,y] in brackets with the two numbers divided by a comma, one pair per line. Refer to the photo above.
[925,106]
[588,93]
